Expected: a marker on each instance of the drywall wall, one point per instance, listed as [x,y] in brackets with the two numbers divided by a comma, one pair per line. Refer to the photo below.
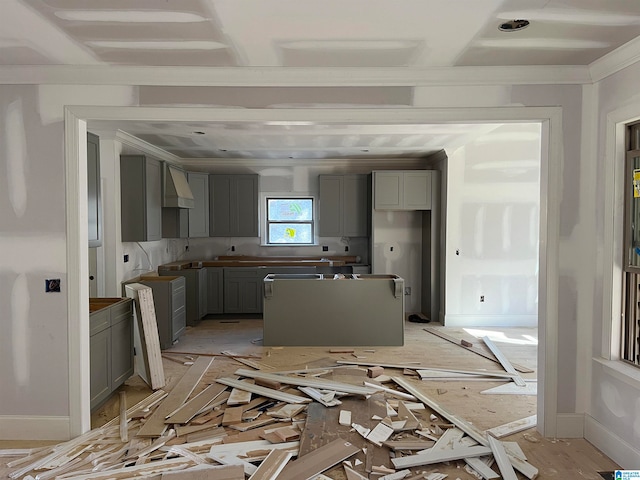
[492,219]
[613,410]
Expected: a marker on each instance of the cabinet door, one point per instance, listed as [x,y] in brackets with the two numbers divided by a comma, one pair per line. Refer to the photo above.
[202,292]
[242,290]
[388,192]
[244,206]
[93,190]
[417,190]
[220,205]
[356,206]
[199,214]
[215,300]
[232,294]
[121,352]
[252,295]
[100,366]
[153,200]
[330,206]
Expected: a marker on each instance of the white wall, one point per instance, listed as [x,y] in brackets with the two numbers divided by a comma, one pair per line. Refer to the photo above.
[613,420]
[492,229]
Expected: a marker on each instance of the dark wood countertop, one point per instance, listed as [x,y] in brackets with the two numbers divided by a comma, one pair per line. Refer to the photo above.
[256,261]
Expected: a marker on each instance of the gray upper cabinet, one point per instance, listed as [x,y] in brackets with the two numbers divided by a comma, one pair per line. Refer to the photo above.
[403,190]
[93,190]
[199,214]
[233,205]
[141,198]
[344,206]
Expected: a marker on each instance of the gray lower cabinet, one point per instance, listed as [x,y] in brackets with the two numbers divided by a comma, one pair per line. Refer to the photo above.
[196,292]
[215,290]
[169,297]
[242,290]
[111,346]
[141,198]
[233,209]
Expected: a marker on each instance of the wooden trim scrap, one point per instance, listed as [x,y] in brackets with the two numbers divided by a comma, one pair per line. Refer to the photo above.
[190,409]
[504,361]
[409,444]
[405,396]
[271,466]
[504,464]
[430,456]
[311,382]
[353,475]
[205,472]
[478,351]
[513,427]
[481,468]
[155,426]
[319,460]
[326,400]
[529,388]
[264,391]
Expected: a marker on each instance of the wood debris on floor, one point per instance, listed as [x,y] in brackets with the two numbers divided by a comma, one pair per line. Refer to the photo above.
[263,424]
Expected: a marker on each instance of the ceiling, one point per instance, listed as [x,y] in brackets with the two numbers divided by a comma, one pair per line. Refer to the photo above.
[329,34]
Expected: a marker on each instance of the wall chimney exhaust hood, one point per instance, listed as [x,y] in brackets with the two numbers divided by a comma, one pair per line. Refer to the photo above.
[176,190]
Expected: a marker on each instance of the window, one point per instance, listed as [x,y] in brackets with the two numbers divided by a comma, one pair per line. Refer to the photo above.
[630,347]
[290,221]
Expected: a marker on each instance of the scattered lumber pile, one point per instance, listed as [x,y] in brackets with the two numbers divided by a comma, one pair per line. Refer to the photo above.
[344,421]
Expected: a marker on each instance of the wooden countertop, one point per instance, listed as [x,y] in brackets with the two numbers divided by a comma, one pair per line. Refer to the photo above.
[256,261]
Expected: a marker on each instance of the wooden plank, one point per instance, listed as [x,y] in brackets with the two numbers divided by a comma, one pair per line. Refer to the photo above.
[353,475]
[190,409]
[232,415]
[481,468]
[513,427]
[124,431]
[380,433]
[206,472]
[523,467]
[504,361]
[239,396]
[319,460]
[405,396]
[155,426]
[345,418]
[504,464]
[430,456]
[310,382]
[529,388]
[405,414]
[478,351]
[152,369]
[265,392]
[409,444]
[271,466]
[244,426]
[448,439]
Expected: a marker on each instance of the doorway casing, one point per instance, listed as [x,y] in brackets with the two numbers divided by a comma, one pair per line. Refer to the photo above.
[76,118]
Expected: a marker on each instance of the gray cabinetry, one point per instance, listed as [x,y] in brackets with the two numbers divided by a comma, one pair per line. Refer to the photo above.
[403,190]
[242,290]
[233,205]
[189,222]
[94,211]
[169,297]
[141,198]
[196,292]
[344,206]
[215,290]
[199,214]
[111,346]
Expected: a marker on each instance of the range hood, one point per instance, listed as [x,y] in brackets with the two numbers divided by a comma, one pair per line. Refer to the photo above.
[176,190]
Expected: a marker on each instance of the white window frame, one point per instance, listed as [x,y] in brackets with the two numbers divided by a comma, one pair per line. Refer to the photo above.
[284,196]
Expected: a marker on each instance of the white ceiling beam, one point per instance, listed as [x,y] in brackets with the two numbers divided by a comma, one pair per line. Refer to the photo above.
[293,76]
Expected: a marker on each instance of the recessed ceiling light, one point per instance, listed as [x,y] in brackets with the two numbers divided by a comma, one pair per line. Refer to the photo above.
[513,25]
[118,16]
[573,16]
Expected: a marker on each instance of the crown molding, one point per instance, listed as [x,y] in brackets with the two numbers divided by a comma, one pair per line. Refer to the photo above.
[145,147]
[293,76]
[613,62]
[204,164]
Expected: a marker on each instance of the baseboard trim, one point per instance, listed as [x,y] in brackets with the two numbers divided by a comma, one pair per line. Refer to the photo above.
[490,321]
[14,427]
[610,444]
[570,425]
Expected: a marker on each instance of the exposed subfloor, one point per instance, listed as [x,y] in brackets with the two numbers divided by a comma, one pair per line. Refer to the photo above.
[555,458]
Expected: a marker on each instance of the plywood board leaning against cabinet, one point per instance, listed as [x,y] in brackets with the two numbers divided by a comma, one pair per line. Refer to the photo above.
[147,341]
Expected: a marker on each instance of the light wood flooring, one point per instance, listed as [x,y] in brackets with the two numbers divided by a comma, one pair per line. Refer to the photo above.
[555,458]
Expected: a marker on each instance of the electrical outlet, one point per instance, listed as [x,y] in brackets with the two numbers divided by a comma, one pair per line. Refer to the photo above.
[325,248]
[407,290]
[346,248]
[233,248]
[481,298]
[52,285]
[186,248]
[126,258]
